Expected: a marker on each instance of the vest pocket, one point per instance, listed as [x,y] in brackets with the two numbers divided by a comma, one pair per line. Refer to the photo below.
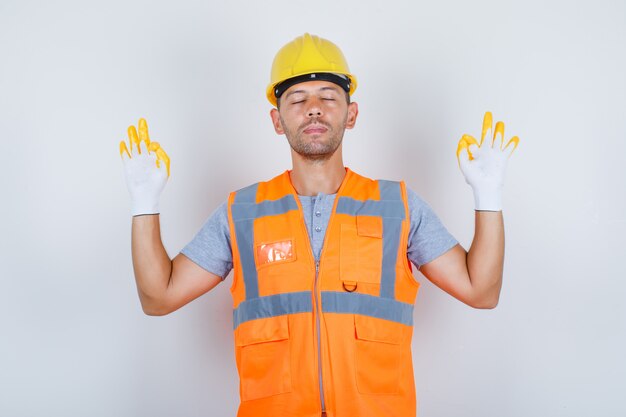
[378,355]
[360,251]
[263,359]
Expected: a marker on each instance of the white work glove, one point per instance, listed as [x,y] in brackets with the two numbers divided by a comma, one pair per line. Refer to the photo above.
[483,164]
[146,168]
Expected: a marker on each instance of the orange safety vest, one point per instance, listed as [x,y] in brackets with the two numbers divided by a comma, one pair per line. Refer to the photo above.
[333,335]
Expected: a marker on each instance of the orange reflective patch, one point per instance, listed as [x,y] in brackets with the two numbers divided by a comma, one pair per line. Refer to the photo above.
[267,253]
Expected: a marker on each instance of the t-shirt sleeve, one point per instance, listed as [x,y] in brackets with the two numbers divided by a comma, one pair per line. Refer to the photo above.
[428,237]
[210,248]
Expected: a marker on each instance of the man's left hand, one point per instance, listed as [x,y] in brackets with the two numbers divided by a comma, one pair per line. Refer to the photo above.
[483,164]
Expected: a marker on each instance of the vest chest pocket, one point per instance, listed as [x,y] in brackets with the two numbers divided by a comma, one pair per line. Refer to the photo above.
[263,357]
[379,355]
[361,249]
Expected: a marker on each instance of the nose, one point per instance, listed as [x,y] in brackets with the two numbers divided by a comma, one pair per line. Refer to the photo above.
[314,109]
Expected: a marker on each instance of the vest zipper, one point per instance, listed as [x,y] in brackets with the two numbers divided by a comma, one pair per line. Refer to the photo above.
[319,336]
[316,284]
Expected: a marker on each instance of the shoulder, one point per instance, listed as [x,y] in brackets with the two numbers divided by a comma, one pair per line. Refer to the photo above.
[386,188]
[218,219]
[419,209]
[415,199]
[261,190]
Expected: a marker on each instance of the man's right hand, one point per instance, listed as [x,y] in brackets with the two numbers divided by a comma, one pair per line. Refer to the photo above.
[146,167]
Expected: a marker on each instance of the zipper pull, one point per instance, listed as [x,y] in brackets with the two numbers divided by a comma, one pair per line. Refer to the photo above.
[317,266]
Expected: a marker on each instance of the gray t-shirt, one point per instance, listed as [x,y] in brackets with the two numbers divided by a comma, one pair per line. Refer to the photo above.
[211,250]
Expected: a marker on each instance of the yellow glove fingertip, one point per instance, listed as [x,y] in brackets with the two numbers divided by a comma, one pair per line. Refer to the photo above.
[461,146]
[143,131]
[498,131]
[124,148]
[132,134]
[162,156]
[515,141]
[154,146]
[134,138]
[469,140]
[487,125]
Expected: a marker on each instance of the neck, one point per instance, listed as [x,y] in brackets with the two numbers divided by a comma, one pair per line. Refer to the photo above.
[313,177]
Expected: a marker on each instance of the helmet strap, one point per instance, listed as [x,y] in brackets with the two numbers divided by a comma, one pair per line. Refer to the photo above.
[341,80]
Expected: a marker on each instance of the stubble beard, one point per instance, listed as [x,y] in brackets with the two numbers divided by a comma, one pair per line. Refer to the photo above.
[312,150]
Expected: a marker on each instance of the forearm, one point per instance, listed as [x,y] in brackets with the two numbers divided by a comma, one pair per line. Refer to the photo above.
[485,259]
[151,263]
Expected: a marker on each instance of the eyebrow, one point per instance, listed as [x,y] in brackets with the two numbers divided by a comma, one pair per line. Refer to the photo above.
[335,89]
[294,92]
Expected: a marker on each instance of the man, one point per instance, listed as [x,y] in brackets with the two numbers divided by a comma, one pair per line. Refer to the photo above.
[322,287]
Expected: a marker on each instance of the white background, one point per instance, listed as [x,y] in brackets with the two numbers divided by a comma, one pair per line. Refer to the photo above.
[75,74]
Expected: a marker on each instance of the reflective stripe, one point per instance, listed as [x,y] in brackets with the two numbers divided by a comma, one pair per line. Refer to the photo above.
[272,306]
[264,208]
[392,229]
[389,190]
[348,205]
[245,243]
[244,230]
[389,205]
[367,305]
[247,194]
[245,210]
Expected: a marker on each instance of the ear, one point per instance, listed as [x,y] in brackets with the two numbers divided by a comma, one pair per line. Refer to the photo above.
[353,112]
[278,127]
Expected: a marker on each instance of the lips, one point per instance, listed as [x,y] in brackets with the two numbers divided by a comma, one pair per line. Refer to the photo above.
[315,129]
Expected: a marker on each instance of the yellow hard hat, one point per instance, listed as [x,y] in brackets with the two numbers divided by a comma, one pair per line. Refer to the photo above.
[307,58]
